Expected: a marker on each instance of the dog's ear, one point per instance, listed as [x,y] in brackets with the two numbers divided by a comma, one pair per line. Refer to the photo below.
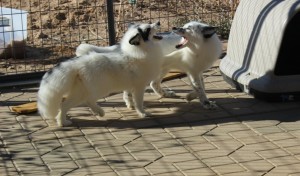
[135,40]
[208,31]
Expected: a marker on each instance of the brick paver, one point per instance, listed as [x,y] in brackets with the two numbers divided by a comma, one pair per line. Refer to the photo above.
[244,136]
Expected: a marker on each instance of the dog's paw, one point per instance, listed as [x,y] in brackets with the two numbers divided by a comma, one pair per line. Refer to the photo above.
[169,94]
[210,105]
[145,114]
[64,123]
[98,111]
[130,105]
[190,96]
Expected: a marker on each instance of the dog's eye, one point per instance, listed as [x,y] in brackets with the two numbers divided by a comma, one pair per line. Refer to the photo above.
[188,29]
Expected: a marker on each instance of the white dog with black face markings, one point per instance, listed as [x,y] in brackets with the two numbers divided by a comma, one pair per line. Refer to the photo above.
[192,49]
[198,49]
[92,76]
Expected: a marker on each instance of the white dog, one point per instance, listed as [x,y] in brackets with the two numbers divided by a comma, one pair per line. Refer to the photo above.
[193,49]
[199,48]
[92,76]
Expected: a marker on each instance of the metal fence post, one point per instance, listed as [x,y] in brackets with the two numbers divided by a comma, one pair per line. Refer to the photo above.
[111,22]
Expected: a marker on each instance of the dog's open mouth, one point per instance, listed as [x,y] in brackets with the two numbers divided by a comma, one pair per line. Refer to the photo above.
[157,37]
[182,43]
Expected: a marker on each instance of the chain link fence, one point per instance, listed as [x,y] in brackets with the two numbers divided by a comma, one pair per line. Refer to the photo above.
[37,34]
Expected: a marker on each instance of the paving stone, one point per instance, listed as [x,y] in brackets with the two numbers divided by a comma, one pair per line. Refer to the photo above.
[245,156]
[161,167]
[32,168]
[290,126]
[201,171]
[53,157]
[288,142]
[258,167]
[134,172]
[189,164]
[147,155]
[279,136]
[145,123]
[268,130]
[162,137]
[62,167]
[246,173]
[285,170]
[272,153]
[205,154]
[202,147]
[244,134]
[172,150]
[150,131]
[295,150]
[295,133]
[91,170]
[8,168]
[218,161]
[73,140]
[284,160]
[248,140]
[42,136]
[166,144]
[216,135]
[192,140]
[139,145]
[228,168]
[83,154]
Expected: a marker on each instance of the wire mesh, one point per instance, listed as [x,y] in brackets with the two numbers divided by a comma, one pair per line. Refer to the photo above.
[52,29]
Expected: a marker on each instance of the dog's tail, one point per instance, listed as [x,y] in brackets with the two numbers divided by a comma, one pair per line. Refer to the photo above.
[87,48]
[54,85]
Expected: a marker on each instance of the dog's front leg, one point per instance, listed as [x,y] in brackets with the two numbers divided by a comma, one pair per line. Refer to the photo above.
[138,97]
[156,87]
[199,91]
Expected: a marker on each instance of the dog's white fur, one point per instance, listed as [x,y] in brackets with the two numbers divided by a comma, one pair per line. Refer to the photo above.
[92,76]
[200,50]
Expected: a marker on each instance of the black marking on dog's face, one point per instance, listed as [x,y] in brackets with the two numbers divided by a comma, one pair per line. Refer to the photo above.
[135,40]
[158,37]
[208,31]
[145,34]
[178,30]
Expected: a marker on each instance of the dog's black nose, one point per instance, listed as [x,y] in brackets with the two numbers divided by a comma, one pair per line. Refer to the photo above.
[174,28]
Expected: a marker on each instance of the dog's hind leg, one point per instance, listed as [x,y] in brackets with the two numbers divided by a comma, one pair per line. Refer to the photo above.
[127,97]
[74,98]
[156,87]
[138,97]
[199,91]
[95,107]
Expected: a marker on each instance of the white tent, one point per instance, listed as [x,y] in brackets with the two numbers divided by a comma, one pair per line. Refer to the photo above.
[262,56]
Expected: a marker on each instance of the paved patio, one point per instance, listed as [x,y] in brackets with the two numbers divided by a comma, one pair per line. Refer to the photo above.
[244,136]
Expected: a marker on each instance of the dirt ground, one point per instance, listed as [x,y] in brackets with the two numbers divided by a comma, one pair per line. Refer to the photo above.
[56,28]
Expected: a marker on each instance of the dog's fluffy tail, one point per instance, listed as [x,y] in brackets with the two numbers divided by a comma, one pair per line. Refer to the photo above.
[55,84]
[87,48]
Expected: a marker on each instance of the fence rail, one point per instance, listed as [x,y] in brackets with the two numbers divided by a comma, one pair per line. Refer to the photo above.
[39,34]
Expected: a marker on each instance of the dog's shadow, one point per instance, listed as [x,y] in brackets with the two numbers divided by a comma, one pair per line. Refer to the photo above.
[187,114]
